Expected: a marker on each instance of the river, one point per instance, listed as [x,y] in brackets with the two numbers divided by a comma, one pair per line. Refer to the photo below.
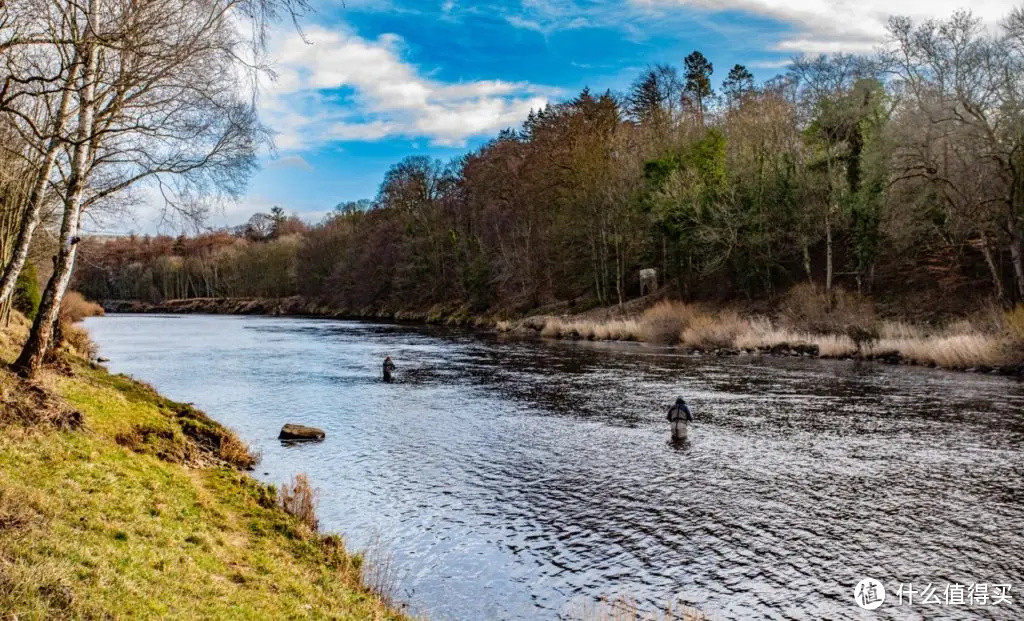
[511,479]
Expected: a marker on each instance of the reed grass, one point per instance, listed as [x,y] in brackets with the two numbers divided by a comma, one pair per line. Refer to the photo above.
[960,344]
[626,609]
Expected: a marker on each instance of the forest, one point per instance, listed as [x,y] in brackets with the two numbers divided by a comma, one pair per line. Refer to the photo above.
[898,175]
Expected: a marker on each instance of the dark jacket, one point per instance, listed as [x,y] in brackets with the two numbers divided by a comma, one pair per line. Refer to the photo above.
[678,411]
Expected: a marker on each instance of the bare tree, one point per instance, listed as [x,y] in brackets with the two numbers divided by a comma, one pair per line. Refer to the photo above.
[968,87]
[40,66]
[165,97]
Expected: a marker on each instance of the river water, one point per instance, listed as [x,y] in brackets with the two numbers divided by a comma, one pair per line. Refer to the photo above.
[512,479]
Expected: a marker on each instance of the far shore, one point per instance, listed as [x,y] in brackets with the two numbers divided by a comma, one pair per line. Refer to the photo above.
[959,345]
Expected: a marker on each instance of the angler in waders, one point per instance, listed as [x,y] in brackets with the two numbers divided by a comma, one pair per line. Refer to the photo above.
[680,418]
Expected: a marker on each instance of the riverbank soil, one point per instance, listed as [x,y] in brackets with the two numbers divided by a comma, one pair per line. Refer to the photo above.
[118,503]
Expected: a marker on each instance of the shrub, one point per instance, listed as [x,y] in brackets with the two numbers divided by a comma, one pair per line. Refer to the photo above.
[553,328]
[26,292]
[298,498]
[79,340]
[74,308]
[1013,324]
[714,331]
[237,453]
[899,330]
[665,321]
[617,330]
[806,307]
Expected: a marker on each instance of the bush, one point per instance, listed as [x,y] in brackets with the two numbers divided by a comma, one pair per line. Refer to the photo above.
[806,307]
[299,499]
[26,292]
[74,308]
[665,322]
[1013,323]
[79,340]
[718,331]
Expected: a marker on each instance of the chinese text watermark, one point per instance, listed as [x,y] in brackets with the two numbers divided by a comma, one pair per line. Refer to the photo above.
[870,593]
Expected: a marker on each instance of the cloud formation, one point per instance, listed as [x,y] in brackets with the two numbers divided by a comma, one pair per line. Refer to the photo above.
[826,26]
[290,161]
[337,85]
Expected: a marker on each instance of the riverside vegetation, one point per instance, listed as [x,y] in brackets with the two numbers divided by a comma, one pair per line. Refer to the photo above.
[806,325]
[118,503]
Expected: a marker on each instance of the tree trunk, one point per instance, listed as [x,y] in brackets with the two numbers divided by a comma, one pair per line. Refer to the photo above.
[619,268]
[807,261]
[993,268]
[37,196]
[1017,256]
[41,336]
[828,250]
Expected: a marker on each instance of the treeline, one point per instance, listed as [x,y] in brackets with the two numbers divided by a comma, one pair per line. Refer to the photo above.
[888,174]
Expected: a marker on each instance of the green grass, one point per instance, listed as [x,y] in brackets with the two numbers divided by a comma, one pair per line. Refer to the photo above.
[96,526]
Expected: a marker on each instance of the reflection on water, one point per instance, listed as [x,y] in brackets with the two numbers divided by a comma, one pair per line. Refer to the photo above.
[520,479]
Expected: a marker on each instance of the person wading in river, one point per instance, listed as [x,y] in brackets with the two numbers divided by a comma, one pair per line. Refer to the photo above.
[680,417]
[389,368]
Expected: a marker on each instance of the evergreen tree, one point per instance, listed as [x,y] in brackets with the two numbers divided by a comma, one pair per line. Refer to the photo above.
[698,80]
[738,83]
[26,292]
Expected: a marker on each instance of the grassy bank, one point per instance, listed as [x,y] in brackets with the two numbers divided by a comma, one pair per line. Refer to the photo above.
[118,503]
[807,323]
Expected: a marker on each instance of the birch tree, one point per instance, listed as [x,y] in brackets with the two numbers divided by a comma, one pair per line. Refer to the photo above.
[165,97]
[40,64]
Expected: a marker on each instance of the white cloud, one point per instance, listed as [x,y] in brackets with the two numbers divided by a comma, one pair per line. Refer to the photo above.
[824,26]
[340,86]
[290,161]
[770,64]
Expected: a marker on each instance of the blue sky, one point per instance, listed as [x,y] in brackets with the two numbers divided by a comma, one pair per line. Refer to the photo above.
[377,80]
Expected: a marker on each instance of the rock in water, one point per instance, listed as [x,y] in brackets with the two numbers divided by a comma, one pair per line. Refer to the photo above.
[300,432]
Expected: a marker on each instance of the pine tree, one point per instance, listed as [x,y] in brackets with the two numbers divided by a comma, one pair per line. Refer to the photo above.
[698,80]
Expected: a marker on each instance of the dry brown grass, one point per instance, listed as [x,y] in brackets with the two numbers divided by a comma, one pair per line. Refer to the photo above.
[28,405]
[665,322]
[714,331]
[809,308]
[951,350]
[21,508]
[298,498]
[836,325]
[833,345]
[74,308]
[78,339]
[900,330]
[626,609]
[235,451]
[1013,325]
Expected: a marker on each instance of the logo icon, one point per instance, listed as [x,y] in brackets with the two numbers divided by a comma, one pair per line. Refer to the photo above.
[869,593]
